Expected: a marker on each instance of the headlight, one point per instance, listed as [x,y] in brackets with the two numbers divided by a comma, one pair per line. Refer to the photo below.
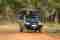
[27,23]
[39,23]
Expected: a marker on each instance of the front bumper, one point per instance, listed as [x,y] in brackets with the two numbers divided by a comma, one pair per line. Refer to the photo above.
[33,26]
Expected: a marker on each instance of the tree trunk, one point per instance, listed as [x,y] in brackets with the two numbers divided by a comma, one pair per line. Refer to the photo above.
[44,7]
[58,14]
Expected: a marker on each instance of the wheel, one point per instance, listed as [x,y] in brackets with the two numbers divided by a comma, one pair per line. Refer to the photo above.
[21,29]
[40,28]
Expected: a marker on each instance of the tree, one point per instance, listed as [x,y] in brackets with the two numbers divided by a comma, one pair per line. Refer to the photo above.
[6,6]
[28,3]
[55,4]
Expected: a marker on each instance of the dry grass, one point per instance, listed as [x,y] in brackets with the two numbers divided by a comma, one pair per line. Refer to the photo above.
[9,27]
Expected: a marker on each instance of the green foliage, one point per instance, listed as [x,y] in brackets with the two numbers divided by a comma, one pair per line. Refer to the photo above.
[57,1]
[54,3]
[21,4]
[4,3]
[27,3]
[35,3]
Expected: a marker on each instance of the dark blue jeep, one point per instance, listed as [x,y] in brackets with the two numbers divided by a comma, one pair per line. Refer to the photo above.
[32,19]
[33,23]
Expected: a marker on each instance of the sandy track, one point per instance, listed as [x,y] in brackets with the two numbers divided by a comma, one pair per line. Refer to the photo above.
[7,36]
[35,36]
[26,36]
[22,36]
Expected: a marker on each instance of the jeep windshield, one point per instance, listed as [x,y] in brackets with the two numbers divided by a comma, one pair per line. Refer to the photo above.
[32,18]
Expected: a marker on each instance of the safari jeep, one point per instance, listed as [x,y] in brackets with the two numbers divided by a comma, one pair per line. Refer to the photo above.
[32,21]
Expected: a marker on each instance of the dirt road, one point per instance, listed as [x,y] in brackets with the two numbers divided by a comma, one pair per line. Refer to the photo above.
[26,36]
[35,36]
[22,36]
